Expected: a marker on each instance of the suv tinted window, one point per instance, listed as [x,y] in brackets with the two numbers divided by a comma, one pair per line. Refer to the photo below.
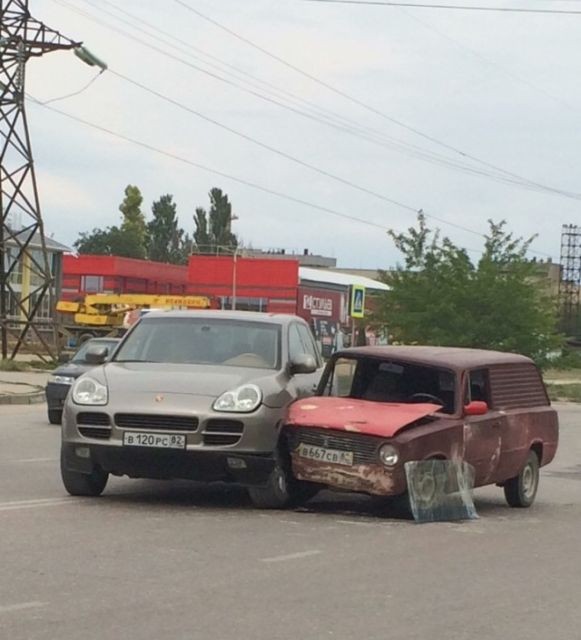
[295,344]
[308,342]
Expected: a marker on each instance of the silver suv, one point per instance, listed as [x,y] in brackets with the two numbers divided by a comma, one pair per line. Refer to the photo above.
[193,395]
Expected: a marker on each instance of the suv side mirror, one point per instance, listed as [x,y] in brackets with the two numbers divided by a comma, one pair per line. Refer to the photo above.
[476,408]
[303,363]
[97,355]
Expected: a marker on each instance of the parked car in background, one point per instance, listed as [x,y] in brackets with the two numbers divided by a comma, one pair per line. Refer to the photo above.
[380,407]
[192,395]
[63,377]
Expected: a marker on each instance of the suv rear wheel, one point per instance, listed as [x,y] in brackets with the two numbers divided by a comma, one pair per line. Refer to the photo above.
[520,491]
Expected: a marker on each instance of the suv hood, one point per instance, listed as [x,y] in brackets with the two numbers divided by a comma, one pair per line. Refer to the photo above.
[362,416]
[199,380]
[72,369]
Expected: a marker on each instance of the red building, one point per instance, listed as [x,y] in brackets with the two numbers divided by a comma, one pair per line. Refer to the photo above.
[110,274]
[251,284]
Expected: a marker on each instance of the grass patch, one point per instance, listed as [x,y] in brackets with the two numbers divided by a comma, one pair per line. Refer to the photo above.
[563,374]
[41,364]
[565,392]
[13,365]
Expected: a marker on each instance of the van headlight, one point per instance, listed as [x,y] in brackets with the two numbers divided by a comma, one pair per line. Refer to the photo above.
[388,455]
[90,392]
[242,400]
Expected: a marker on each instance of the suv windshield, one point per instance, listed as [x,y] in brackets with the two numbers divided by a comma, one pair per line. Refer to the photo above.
[235,343]
[388,381]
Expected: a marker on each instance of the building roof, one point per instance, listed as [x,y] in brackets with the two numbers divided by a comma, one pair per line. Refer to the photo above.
[450,357]
[342,279]
[51,245]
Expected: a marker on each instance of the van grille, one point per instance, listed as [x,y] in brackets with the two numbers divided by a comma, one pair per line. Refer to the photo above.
[364,448]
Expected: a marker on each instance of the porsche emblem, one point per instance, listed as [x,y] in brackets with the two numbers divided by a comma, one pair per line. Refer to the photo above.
[159,398]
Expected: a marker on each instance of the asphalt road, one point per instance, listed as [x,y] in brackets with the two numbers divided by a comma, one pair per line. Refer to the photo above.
[173,561]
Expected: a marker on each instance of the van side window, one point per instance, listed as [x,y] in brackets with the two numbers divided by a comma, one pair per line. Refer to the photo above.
[478,387]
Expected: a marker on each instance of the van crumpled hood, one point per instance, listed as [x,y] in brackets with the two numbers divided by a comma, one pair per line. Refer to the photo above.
[383,419]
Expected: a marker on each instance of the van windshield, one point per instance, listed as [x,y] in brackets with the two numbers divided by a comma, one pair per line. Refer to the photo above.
[390,381]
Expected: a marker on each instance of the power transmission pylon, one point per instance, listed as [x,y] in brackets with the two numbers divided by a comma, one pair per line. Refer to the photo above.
[21,38]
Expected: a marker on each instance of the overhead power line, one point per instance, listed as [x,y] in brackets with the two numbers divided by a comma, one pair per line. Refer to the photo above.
[233,178]
[458,7]
[319,115]
[367,106]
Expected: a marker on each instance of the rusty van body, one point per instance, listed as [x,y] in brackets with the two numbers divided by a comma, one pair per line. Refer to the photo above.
[377,408]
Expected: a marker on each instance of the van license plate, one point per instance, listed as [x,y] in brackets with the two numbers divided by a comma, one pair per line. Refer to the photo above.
[154,440]
[321,454]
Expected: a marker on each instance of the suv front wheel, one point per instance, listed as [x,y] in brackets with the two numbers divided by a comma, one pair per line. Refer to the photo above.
[282,490]
[83,484]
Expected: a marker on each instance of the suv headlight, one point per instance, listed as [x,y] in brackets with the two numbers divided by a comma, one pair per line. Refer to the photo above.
[89,391]
[388,455]
[242,400]
[62,379]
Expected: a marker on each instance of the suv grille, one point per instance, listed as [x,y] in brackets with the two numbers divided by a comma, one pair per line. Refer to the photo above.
[364,448]
[94,419]
[101,433]
[155,422]
[219,432]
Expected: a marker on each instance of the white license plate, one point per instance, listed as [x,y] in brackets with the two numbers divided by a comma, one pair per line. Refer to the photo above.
[155,440]
[325,455]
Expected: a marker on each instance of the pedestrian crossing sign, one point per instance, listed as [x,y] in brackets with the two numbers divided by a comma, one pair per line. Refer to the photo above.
[357,306]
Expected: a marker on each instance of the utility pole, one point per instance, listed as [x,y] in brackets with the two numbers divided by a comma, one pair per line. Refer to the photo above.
[21,38]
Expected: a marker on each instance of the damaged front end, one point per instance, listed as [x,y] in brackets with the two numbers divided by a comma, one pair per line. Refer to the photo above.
[345,443]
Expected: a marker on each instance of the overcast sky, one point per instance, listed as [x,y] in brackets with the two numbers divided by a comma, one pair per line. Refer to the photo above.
[501,87]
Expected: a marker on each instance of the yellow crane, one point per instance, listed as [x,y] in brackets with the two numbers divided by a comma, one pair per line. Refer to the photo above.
[106,313]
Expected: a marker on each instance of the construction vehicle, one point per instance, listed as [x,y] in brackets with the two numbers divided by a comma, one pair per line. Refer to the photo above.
[107,314]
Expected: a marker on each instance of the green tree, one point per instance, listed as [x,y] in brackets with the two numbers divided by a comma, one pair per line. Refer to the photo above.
[129,240]
[441,297]
[134,226]
[214,228]
[167,241]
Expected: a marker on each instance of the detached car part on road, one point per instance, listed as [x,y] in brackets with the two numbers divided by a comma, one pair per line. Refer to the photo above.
[378,408]
[193,395]
[63,377]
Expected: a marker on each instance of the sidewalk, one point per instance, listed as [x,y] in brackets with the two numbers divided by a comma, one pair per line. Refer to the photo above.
[22,387]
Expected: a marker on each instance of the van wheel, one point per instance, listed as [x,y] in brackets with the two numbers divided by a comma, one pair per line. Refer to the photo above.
[520,491]
[83,484]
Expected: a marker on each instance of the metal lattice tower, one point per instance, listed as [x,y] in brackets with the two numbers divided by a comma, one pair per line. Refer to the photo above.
[21,38]
[570,283]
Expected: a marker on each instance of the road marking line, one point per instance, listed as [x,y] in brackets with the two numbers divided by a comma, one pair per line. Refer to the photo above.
[33,504]
[23,460]
[21,606]
[292,556]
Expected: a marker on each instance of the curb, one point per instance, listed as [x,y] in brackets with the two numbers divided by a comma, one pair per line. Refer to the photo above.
[35,396]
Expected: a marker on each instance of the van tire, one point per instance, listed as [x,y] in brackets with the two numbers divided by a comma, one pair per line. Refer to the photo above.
[520,492]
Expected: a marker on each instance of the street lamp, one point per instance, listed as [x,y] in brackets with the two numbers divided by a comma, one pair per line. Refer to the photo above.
[234,268]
